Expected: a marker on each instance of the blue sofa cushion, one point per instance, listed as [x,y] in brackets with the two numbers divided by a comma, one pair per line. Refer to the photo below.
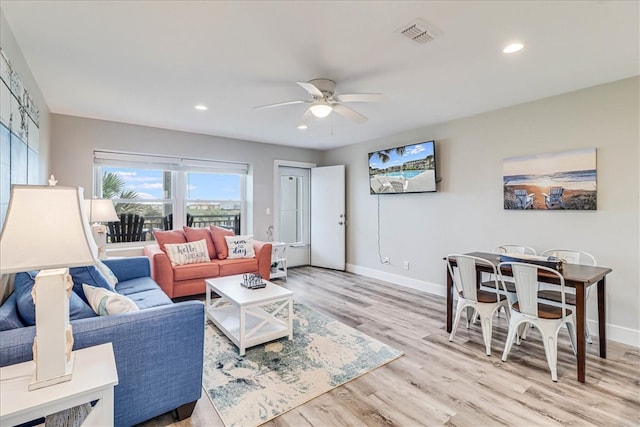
[144,292]
[90,275]
[23,284]
[9,317]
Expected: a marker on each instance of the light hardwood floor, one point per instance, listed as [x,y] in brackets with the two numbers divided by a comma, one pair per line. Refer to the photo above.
[438,382]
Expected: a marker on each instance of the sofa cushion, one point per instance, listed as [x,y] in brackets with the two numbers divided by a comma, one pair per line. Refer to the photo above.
[150,298]
[173,236]
[219,241]
[238,266]
[9,317]
[90,275]
[187,253]
[140,284]
[105,302]
[107,273]
[195,234]
[23,285]
[203,270]
[240,246]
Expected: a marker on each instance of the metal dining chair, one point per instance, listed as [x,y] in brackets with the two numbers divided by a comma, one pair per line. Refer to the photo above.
[484,303]
[551,295]
[548,319]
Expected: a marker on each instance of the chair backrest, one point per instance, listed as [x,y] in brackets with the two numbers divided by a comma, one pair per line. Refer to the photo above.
[167,221]
[128,229]
[466,281]
[525,277]
[572,256]
[556,192]
[514,249]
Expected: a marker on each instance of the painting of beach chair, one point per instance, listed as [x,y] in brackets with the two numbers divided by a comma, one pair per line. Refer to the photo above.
[553,200]
[523,200]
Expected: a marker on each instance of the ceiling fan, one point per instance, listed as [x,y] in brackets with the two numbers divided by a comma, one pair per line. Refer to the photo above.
[324,101]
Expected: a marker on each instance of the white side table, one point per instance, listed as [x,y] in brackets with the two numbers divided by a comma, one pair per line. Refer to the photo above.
[94,377]
[279,257]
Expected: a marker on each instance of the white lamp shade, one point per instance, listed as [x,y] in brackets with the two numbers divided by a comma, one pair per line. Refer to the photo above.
[320,109]
[100,210]
[45,228]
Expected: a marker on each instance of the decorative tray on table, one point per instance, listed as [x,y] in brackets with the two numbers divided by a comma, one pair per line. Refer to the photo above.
[550,262]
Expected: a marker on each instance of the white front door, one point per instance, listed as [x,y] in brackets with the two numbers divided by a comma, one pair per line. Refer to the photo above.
[328,217]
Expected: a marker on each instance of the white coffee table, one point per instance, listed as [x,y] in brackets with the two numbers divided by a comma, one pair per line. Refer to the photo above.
[248,316]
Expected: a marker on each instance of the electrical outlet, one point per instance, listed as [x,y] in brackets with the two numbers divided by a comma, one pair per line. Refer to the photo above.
[406,265]
[386,260]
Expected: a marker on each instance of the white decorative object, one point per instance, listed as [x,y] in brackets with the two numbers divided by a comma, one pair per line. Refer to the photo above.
[240,246]
[46,228]
[100,210]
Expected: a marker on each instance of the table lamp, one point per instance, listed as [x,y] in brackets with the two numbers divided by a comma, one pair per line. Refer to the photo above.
[46,229]
[100,210]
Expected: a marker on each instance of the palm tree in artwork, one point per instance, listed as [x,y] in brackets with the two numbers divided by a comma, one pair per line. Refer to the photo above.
[385,155]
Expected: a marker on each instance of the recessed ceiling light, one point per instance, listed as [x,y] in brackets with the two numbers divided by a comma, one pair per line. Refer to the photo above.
[201,107]
[302,126]
[512,48]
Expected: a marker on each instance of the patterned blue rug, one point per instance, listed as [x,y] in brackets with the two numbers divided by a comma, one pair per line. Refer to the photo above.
[276,377]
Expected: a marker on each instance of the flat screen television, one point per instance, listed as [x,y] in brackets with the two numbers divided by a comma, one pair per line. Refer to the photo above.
[404,169]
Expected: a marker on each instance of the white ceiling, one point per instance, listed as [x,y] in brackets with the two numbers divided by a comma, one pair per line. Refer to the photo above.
[150,62]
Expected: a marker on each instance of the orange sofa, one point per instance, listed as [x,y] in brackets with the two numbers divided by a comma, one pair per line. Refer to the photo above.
[188,279]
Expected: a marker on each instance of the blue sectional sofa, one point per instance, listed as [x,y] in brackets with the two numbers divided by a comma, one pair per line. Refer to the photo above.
[158,350]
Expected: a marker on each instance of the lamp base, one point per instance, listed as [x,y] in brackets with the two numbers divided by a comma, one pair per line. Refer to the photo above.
[34,384]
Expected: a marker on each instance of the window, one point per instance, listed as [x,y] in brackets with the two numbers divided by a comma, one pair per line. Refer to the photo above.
[171,192]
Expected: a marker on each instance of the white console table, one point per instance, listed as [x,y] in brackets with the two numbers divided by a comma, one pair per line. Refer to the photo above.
[279,257]
[94,377]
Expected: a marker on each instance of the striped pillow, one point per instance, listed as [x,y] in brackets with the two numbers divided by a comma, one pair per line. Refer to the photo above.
[187,253]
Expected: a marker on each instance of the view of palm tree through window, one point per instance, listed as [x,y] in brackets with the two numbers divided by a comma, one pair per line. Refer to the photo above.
[206,198]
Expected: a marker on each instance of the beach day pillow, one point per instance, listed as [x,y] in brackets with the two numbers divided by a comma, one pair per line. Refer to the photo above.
[187,253]
[240,246]
[104,302]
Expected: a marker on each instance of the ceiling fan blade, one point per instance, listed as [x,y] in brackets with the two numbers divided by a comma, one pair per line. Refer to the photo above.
[349,113]
[280,104]
[304,120]
[359,97]
[311,89]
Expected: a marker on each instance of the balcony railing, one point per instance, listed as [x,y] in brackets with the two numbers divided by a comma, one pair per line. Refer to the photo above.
[231,221]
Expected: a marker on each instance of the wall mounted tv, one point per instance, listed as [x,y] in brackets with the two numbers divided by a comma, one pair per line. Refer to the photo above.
[405,169]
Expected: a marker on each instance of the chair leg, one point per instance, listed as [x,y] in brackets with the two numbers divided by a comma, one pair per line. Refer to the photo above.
[587,334]
[511,336]
[571,328]
[456,321]
[487,324]
[550,341]
[471,314]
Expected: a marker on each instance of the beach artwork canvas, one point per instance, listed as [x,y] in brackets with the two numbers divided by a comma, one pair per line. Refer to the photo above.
[565,180]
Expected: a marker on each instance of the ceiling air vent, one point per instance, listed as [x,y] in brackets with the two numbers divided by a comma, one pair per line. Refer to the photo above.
[419,31]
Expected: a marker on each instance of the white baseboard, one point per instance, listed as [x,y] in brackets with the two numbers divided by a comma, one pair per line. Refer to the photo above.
[614,332]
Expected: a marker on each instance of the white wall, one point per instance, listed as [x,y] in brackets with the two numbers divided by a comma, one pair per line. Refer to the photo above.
[75,138]
[18,62]
[467,214]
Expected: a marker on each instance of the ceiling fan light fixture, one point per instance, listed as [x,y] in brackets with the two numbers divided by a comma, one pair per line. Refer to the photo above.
[321,109]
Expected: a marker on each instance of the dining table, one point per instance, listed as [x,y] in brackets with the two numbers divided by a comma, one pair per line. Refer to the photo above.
[576,276]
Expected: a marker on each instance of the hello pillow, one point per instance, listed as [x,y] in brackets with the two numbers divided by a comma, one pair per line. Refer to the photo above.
[195,234]
[240,246]
[187,253]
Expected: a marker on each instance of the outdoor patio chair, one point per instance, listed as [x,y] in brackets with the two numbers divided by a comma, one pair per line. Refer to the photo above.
[167,221]
[553,200]
[523,200]
[128,229]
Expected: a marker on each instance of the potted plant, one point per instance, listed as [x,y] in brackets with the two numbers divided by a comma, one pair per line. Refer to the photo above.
[274,267]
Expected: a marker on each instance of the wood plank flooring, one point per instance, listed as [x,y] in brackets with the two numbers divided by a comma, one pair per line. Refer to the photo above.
[438,382]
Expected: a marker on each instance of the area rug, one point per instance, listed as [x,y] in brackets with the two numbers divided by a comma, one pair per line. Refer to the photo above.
[273,378]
